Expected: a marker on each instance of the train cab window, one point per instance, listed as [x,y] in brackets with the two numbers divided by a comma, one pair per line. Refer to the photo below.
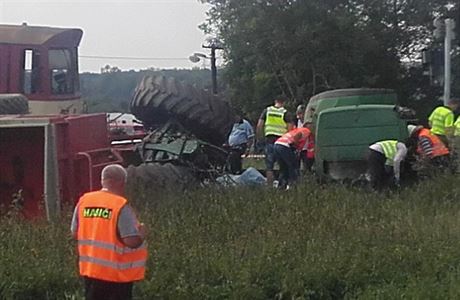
[31,75]
[61,71]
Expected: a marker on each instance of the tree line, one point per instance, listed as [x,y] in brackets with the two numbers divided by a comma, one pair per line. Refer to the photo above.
[300,48]
[112,91]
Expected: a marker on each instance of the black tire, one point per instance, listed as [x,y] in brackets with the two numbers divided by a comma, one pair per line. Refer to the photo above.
[158,99]
[162,177]
[13,104]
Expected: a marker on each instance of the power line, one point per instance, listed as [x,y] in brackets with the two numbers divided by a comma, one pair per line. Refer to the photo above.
[132,57]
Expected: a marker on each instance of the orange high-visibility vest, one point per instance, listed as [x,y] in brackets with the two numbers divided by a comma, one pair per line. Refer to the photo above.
[288,138]
[101,253]
[439,148]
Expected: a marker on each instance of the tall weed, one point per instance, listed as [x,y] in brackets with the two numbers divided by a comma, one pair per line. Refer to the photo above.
[312,242]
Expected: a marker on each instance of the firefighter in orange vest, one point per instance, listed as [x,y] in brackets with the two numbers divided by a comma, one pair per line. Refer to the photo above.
[111,241]
[286,148]
[429,147]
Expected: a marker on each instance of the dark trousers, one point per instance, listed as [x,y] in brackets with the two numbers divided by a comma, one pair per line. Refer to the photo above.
[376,168]
[104,290]
[289,165]
[234,158]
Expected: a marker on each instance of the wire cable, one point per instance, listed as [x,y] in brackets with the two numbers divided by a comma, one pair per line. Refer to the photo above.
[132,57]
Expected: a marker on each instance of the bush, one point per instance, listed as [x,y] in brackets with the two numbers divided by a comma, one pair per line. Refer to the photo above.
[314,242]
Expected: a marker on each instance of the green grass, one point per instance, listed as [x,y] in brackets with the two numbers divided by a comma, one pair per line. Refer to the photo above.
[258,163]
[314,242]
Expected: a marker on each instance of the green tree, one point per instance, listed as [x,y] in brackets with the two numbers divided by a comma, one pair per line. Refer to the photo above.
[299,48]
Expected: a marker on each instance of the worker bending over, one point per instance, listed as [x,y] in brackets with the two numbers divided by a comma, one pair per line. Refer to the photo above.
[111,248]
[441,120]
[384,162]
[429,147]
[286,149]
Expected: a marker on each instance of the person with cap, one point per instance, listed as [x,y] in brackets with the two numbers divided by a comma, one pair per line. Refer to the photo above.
[441,120]
[111,241]
[286,148]
[428,147]
[239,141]
[273,123]
[384,162]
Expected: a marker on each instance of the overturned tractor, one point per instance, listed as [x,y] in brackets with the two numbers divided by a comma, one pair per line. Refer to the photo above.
[188,127]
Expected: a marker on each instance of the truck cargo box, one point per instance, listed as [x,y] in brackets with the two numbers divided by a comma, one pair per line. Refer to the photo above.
[343,135]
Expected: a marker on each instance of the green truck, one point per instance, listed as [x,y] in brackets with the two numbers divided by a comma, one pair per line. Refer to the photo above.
[346,122]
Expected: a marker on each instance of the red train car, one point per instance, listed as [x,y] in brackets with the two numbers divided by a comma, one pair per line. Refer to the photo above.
[48,161]
[42,64]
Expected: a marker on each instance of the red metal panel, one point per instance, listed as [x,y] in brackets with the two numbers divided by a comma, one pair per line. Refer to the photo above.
[15,69]
[87,132]
[82,150]
[22,167]
[4,63]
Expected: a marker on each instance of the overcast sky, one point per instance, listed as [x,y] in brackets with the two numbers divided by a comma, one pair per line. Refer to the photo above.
[120,28]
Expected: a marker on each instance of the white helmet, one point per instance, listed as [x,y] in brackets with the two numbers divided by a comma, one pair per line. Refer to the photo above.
[411,129]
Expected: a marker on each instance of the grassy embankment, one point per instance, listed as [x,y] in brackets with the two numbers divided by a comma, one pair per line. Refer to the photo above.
[309,243]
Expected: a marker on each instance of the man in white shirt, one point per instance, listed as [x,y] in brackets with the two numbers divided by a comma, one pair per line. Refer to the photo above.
[384,160]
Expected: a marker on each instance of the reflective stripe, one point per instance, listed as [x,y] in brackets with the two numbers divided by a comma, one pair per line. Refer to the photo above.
[438,120]
[113,265]
[108,246]
[287,139]
[457,127]
[431,145]
[274,121]
[102,255]
[389,149]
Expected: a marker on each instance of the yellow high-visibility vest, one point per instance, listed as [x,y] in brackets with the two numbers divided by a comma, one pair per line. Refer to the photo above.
[389,149]
[441,118]
[457,127]
[274,121]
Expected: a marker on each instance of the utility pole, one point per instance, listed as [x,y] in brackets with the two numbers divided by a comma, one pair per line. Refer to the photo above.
[445,30]
[213,45]
[449,36]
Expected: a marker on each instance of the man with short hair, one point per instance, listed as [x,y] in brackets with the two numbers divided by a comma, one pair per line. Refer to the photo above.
[111,241]
[441,120]
[273,123]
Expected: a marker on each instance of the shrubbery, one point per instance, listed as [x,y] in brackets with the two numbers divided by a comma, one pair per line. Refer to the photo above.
[314,242]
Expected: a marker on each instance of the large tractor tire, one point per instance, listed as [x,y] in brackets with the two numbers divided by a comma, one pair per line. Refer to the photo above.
[13,104]
[162,177]
[158,99]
